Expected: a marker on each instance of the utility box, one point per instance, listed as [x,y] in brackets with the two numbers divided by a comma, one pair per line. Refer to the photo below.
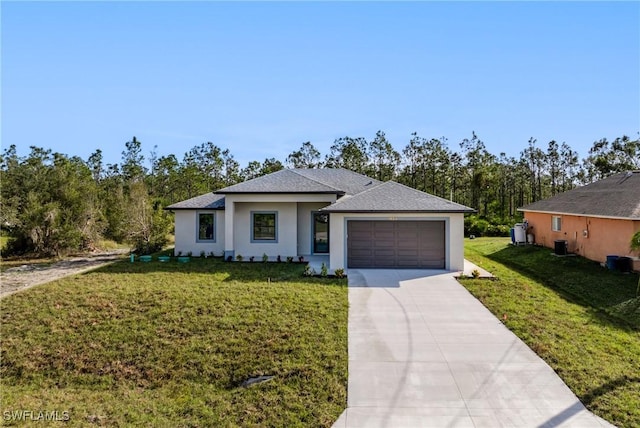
[519,234]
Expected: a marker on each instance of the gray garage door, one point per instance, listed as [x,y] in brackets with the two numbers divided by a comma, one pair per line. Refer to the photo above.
[396,244]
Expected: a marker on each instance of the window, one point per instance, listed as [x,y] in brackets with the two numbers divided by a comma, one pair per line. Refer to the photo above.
[206,227]
[264,226]
[556,223]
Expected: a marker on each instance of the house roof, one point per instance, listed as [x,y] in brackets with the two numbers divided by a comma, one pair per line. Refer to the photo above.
[395,197]
[330,180]
[283,181]
[617,196]
[358,192]
[347,181]
[209,201]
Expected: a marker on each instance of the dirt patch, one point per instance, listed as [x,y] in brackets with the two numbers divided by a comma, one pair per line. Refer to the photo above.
[29,275]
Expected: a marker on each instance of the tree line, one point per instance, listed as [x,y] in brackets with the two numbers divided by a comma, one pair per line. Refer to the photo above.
[53,203]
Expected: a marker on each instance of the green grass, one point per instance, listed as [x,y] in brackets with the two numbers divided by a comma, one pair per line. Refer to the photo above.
[168,344]
[580,318]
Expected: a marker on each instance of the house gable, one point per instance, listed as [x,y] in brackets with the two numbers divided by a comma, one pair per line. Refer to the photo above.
[283,181]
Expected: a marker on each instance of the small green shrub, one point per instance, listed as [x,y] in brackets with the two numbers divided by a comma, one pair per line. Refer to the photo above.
[239,257]
[324,270]
[265,258]
[339,273]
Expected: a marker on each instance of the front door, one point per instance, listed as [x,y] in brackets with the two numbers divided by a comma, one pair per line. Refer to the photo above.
[320,233]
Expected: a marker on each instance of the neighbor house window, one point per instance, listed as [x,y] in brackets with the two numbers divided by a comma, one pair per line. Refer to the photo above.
[556,223]
[206,227]
[264,226]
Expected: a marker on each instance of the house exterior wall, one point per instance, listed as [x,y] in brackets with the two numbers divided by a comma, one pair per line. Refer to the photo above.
[238,233]
[305,222]
[233,228]
[454,235]
[286,230]
[603,236]
[186,233]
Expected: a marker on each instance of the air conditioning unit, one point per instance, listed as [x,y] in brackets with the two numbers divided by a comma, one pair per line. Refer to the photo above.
[561,247]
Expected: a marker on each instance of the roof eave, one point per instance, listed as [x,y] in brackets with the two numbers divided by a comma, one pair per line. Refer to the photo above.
[193,208]
[579,214]
[327,192]
[399,211]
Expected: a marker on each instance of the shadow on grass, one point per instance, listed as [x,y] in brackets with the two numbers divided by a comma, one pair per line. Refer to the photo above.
[606,388]
[577,280]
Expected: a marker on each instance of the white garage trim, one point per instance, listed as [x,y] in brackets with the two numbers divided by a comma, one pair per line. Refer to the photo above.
[454,234]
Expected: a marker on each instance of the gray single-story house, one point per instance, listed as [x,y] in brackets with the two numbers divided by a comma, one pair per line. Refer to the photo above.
[357,221]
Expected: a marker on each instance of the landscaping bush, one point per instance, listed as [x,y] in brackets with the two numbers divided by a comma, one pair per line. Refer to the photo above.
[498,230]
[477,226]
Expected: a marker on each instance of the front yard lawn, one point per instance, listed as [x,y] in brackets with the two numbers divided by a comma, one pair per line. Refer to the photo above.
[169,344]
[583,320]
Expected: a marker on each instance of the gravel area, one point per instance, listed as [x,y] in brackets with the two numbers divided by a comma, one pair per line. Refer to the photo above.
[26,276]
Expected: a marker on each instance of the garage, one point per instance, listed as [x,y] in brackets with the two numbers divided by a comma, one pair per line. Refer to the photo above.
[396,244]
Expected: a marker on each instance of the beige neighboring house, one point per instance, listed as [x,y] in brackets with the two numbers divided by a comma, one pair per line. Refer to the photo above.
[596,220]
[353,220]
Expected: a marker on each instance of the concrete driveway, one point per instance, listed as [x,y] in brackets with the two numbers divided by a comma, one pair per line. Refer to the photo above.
[423,352]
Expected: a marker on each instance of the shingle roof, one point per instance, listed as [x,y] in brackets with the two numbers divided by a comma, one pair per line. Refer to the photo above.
[361,193]
[209,201]
[394,197]
[616,196]
[283,181]
[348,181]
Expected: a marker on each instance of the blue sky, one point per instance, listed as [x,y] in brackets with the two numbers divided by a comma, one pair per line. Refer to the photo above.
[262,78]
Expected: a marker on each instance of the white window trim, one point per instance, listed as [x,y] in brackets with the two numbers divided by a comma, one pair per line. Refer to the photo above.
[556,223]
